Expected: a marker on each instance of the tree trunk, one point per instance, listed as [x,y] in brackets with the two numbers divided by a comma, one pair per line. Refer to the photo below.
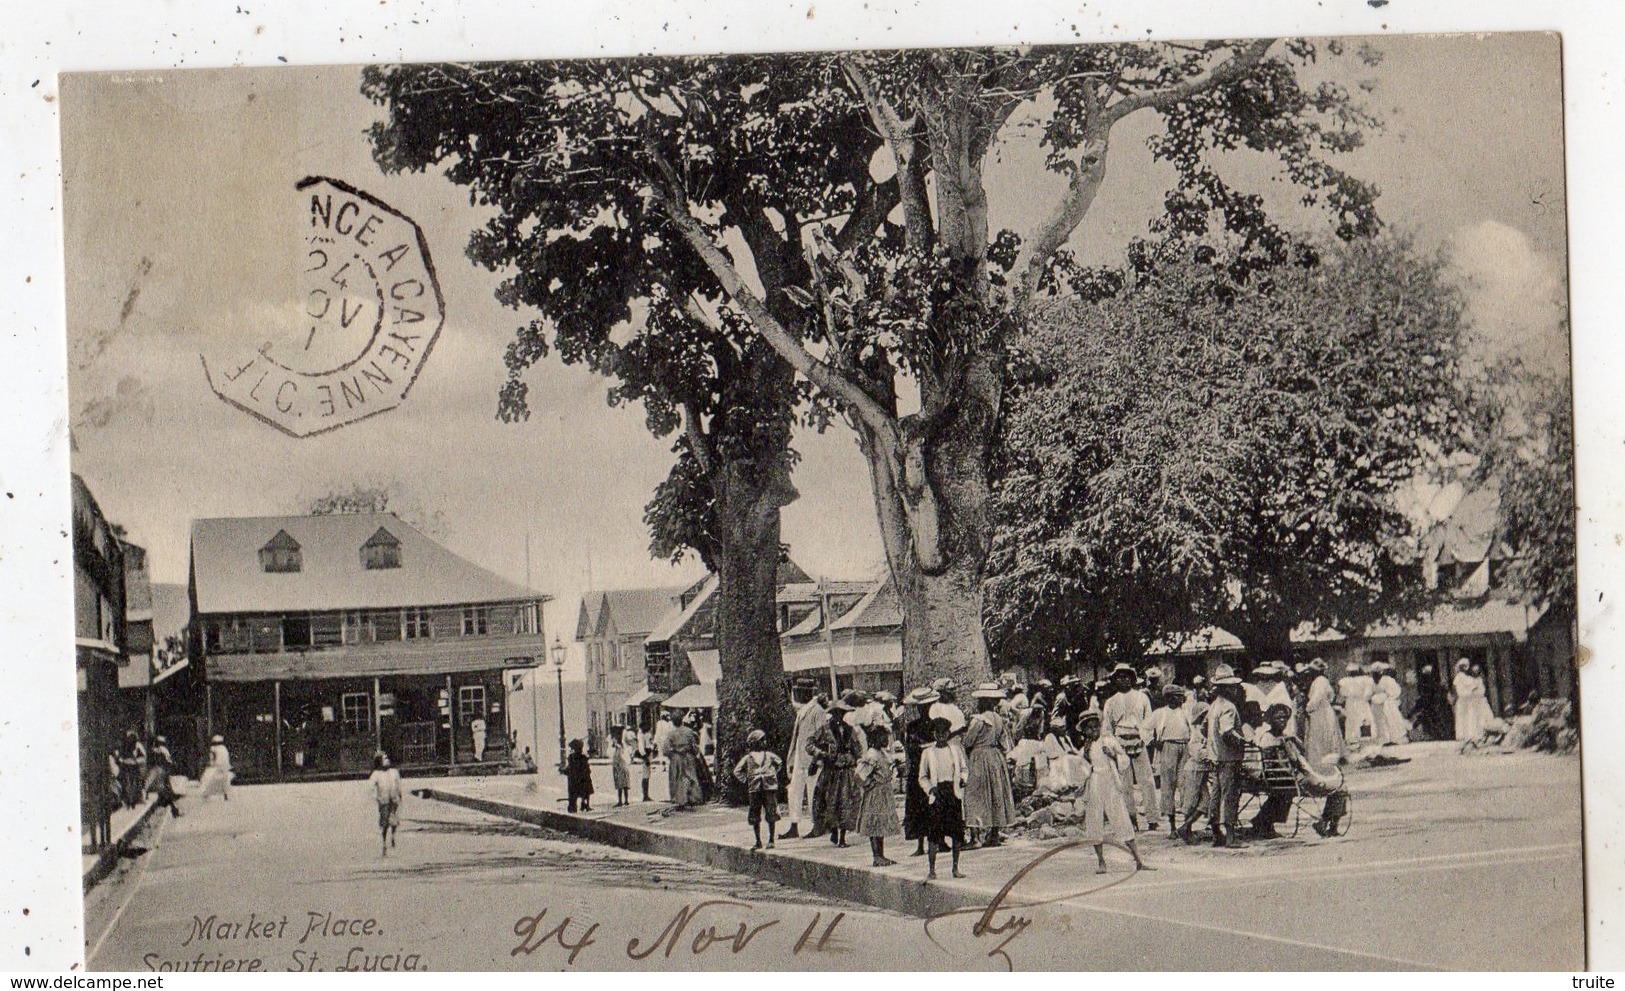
[932,502]
[751,692]
[1263,641]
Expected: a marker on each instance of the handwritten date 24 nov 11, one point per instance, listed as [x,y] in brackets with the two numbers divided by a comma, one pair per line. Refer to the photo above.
[735,932]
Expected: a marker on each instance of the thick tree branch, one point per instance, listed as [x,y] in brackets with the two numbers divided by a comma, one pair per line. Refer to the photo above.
[698,444]
[905,151]
[775,333]
[1236,66]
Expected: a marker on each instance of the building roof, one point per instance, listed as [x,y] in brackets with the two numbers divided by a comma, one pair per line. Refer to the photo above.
[229,579]
[679,617]
[1486,618]
[878,609]
[634,611]
[1205,640]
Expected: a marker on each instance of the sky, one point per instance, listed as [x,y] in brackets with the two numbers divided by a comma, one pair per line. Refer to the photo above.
[182,233]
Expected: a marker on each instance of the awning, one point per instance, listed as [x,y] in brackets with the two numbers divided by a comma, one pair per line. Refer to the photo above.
[851,655]
[693,697]
[641,696]
[707,665]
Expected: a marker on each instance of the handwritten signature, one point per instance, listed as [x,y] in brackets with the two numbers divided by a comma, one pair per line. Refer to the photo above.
[999,916]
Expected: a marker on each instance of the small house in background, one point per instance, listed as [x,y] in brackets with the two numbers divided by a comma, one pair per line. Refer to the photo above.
[99,653]
[861,645]
[327,638]
[612,627]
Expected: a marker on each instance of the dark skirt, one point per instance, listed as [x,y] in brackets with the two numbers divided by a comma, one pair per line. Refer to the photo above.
[945,818]
[914,803]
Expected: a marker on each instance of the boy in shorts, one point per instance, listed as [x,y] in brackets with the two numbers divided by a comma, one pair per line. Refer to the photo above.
[758,771]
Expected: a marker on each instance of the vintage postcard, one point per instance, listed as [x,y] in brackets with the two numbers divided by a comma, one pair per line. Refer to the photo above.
[1095,506]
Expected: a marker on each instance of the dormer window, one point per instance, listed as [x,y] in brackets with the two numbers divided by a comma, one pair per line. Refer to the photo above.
[281,554]
[381,550]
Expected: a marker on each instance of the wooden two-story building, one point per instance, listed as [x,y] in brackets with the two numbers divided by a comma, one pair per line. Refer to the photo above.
[328,638]
[100,652]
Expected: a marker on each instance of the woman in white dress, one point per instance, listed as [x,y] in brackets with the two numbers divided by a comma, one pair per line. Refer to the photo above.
[1481,698]
[1105,813]
[1391,725]
[1061,757]
[216,779]
[1472,708]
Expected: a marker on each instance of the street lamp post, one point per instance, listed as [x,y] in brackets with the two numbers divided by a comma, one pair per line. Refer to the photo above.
[558,667]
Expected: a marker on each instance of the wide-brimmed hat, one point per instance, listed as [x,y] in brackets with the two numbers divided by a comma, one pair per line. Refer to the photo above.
[756,736]
[944,685]
[1263,671]
[855,699]
[1124,669]
[1044,683]
[1174,690]
[921,696]
[1224,674]
[988,690]
[1090,716]
[884,696]
[1068,679]
[1153,672]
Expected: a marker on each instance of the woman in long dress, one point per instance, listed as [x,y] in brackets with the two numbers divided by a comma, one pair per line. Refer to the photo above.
[989,803]
[837,748]
[1481,698]
[682,774]
[216,778]
[1471,705]
[877,806]
[1105,813]
[916,737]
[1391,725]
[1325,742]
[1060,756]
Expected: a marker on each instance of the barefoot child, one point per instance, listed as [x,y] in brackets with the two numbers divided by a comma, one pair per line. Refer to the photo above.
[758,771]
[877,808]
[620,768]
[942,778]
[1105,814]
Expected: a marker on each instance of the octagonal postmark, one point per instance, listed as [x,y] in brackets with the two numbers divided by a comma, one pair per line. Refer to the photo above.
[369,311]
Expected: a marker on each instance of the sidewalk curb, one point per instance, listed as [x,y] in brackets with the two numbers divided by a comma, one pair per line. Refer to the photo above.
[109,857]
[892,892]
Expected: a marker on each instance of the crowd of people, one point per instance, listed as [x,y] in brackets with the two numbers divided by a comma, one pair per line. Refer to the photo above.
[1136,750]
[136,770]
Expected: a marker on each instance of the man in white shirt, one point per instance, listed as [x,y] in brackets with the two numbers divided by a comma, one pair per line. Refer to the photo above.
[1170,737]
[810,716]
[1126,716]
[386,791]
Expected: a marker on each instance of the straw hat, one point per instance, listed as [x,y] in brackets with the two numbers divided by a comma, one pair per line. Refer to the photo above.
[921,696]
[1090,716]
[1224,674]
[1124,669]
[988,690]
[944,685]
[1068,679]
[755,736]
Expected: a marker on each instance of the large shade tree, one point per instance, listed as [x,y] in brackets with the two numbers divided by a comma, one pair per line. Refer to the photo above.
[1200,448]
[839,205]
[566,153]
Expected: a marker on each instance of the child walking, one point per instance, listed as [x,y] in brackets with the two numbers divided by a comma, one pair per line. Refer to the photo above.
[877,806]
[621,768]
[386,791]
[578,779]
[942,778]
[1106,815]
[758,771]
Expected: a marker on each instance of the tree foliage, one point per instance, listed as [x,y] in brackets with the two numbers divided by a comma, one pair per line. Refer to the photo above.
[1200,449]
[1529,457]
[829,213]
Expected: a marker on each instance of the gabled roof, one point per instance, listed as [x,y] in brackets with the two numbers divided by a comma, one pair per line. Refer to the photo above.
[879,609]
[226,567]
[636,610]
[676,619]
